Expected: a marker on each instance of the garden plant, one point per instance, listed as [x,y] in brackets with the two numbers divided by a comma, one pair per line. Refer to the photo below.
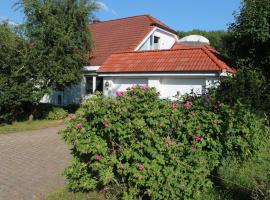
[138,146]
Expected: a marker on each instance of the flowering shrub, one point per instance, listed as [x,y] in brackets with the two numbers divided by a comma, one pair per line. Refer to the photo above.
[150,148]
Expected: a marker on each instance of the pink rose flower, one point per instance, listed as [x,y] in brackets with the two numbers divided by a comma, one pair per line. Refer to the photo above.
[141,168]
[105,123]
[122,167]
[217,104]
[186,104]
[98,157]
[144,87]
[79,125]
[197,138]
[70,117]
[169,142]
[120,93]
[174,105]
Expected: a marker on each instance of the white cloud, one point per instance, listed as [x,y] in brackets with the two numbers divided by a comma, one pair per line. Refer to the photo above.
[4,18]
[114,12]
[104,7]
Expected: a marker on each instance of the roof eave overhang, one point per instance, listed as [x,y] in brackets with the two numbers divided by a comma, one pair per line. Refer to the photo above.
[165,28]
[161,74]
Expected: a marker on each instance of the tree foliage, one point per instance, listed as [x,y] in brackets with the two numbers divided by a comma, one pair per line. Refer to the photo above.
[249,45]
[250,36]
[217,38]
[18,81]
[60,38]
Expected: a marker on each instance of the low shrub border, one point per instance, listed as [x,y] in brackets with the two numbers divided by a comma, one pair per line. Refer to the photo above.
[137,146]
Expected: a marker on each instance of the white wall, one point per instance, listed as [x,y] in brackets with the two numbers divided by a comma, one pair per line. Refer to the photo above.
[166,41]
[170,87]
[121,84]
[167,86]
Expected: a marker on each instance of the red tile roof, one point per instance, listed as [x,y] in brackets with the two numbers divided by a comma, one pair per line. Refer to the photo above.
[187,46]
[173,60]
[120,35]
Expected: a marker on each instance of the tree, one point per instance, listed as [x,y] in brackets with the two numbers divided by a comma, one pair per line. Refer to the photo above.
[250,36]
[249,45]
[60,38]
[18,82]
[217,38]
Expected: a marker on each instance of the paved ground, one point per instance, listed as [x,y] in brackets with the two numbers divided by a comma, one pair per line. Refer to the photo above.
[31,163]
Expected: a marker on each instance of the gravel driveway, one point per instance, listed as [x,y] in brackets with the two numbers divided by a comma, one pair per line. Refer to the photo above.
[32,163]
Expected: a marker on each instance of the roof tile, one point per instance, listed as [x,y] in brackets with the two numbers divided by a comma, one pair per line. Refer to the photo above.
[120,35]
[183,59]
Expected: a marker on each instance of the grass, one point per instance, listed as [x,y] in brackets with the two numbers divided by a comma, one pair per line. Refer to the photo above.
[29,125]
[66,195]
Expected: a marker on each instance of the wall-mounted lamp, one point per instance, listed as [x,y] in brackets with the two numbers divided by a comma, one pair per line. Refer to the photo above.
[107,84]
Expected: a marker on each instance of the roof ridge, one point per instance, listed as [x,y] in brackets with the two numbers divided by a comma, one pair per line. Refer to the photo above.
[146,15]
[158,50]
[212,57]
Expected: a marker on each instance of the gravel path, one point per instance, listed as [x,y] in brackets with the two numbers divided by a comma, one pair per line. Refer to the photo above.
[32,163]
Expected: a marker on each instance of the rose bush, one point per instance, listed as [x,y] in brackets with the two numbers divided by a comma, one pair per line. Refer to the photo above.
[137,146]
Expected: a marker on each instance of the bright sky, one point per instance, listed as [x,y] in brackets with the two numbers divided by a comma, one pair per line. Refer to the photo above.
[179,14]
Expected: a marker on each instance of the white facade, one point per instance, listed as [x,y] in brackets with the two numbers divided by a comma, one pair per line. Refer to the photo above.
[157,39]
[168,85]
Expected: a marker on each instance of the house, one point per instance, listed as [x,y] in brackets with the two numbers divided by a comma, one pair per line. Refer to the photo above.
[143,50]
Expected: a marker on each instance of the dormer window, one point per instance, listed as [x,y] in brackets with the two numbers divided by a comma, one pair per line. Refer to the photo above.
[156,42]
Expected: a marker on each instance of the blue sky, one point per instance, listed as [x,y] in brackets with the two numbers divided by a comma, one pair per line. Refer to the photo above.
[178,14]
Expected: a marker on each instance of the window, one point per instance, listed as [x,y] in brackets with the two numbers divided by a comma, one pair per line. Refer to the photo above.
[89,85]
[156,42]
[99,86]
[59,99]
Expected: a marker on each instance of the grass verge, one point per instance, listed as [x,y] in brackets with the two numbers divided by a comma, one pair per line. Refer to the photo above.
[29,125]
[66,195]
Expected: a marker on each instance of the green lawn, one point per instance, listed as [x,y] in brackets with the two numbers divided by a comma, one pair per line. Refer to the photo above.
[29,125]
[65,195]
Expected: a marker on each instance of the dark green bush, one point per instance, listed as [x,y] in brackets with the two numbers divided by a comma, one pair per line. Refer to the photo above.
[72,108]
[139,146]
[42,110]
[249,179]
[249,87]
[57,113]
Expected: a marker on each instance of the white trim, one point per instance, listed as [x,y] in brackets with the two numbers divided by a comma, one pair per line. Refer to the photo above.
[94,86]
[160,75]
[91,68]
[144,40]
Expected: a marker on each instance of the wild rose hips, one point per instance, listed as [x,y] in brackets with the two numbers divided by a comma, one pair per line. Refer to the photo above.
[141,168]
[98,157]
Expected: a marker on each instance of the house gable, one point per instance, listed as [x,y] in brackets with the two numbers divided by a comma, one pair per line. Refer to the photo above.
[126,34]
